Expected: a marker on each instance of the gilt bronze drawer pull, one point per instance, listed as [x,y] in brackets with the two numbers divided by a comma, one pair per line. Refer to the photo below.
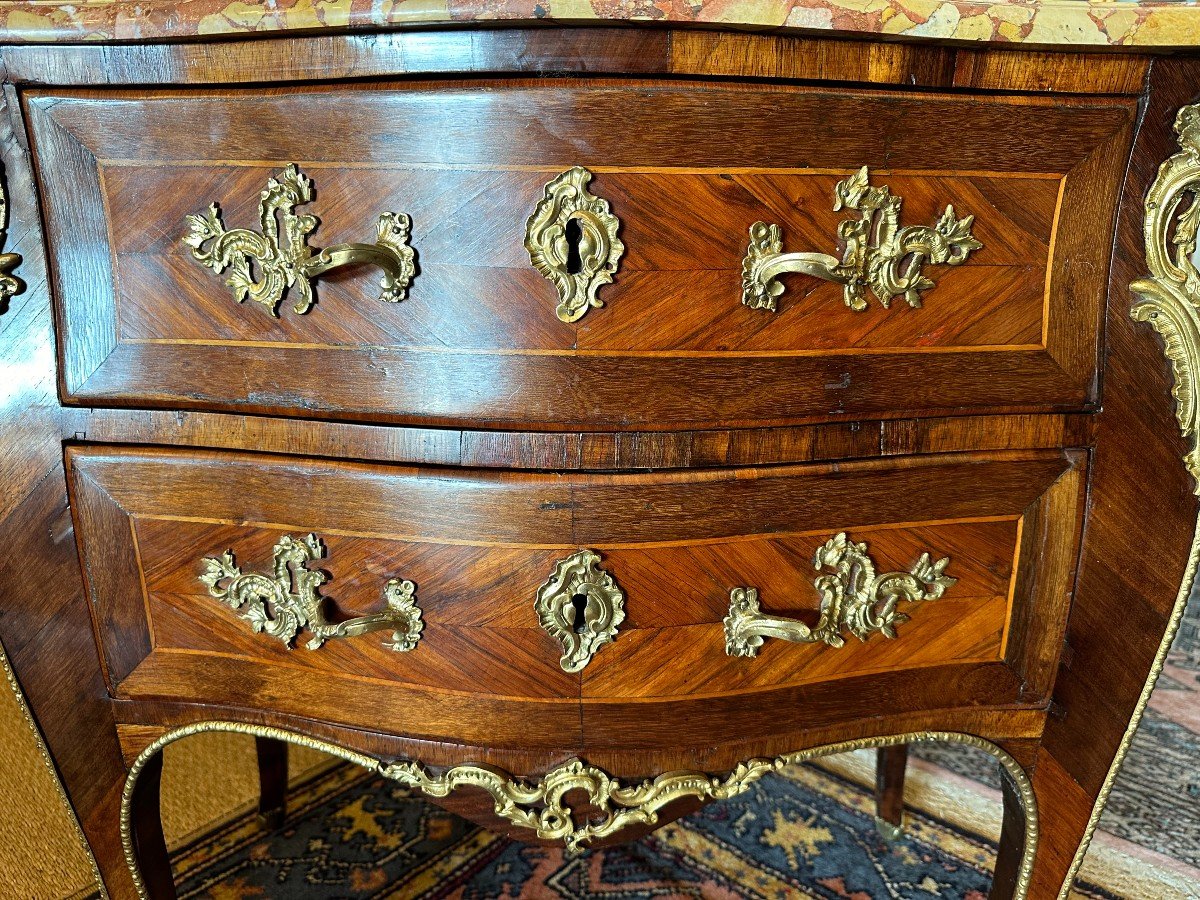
[853,598]
[879,253]
[580,606]
[281,252]
[287,600]
[572,240]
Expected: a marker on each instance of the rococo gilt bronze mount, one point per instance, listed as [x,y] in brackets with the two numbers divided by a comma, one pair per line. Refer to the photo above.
[280,252]
[10,285]
[282,603]
[572,240]
[879,254]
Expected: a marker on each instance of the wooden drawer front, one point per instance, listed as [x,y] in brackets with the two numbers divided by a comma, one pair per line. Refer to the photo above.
[480,545]
[687,168]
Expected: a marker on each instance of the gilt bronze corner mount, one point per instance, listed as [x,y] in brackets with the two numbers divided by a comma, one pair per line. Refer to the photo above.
[10,284]
[1169,299]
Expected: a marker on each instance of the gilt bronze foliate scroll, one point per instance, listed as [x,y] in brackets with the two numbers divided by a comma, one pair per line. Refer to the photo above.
[572,240]
[265,265]
[288,599]
[880,254]
[853,599]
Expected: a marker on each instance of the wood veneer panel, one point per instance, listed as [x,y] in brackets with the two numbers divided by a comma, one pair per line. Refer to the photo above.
[1015,728]
[1019,728]
[1007,69]
[673,644]
[1135,549]
[680,282]
[476,340]
[591,49]
[333,56]
[478,545]
[112,577]
[460,123]
[786,56]
[45,624]
[162,715]
[1142,510]
[580,392]
[420,713]
[621,726]
[554,510]
[1042,594]
[573,451]
[481,634]
[662,677]
[685,586]
[594,48]
[487,661]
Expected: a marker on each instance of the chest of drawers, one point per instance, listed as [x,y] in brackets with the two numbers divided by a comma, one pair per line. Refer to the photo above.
[577,449]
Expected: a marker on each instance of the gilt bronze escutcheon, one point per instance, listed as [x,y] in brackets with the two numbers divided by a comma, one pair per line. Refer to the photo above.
[572,240]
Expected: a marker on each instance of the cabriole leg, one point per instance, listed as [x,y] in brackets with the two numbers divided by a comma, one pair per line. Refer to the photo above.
[272,780]
[890,766]
[145,826]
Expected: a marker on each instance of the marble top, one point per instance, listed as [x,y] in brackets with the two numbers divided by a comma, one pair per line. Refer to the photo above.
[1163,23]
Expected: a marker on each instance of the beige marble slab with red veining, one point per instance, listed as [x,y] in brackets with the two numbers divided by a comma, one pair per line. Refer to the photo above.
[1165,23]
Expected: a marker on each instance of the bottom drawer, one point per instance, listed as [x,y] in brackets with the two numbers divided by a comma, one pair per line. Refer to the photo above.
[484,608]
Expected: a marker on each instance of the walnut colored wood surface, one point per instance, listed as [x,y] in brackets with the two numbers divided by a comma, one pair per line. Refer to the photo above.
[44,620]
[685,236]
[1140,494]
[591,50]
[158,514]
[272,756]
[466,439]
[891,764]
[476,340]
[575,451]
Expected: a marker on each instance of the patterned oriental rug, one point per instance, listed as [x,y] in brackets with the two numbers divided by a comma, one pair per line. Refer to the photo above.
[806,833]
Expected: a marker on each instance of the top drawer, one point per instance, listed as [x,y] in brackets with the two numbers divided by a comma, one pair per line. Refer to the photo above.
[686,168]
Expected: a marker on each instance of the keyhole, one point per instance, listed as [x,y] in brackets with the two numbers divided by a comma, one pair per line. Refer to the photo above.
[578,605]
[574,236]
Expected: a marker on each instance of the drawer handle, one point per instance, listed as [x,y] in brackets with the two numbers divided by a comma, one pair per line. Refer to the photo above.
[853,598]
[572,240]
[282,603]
[879,253]
[10,285]
[580,606]
[281,252]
